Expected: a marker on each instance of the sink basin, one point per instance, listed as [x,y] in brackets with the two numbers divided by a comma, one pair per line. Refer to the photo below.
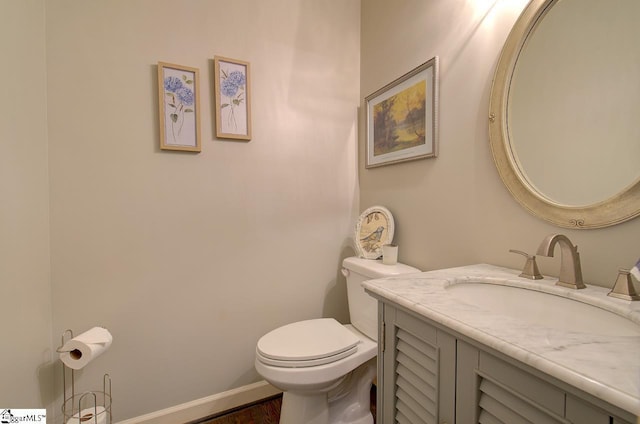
[543,309]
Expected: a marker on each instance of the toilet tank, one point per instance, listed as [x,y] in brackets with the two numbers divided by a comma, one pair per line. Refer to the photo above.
[363,309]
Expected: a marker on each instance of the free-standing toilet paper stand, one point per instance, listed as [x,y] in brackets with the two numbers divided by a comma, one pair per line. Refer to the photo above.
[91,407]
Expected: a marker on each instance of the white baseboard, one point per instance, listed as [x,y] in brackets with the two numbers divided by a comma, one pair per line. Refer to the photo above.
[207,406]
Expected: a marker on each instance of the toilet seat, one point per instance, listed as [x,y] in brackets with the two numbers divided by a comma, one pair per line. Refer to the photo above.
[307,344]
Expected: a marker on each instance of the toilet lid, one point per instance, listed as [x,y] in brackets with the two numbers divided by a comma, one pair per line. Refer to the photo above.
[307,343]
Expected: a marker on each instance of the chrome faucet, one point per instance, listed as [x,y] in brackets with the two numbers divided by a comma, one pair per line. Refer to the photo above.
[570,270]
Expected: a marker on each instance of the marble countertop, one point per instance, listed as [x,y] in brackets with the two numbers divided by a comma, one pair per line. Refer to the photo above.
[604,366]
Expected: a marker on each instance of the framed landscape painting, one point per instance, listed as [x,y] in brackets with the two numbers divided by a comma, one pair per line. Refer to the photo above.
[402,118]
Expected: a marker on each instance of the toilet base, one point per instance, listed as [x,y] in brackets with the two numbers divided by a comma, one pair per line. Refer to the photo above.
[311,409]
[347,403]
[350,402]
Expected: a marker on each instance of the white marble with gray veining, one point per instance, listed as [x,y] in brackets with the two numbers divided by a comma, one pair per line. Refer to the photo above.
[605,366]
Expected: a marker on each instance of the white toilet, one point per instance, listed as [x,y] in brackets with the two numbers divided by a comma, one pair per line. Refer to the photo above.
[324,368]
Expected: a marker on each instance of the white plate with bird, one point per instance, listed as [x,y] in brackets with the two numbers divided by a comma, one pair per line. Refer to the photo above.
[374,229]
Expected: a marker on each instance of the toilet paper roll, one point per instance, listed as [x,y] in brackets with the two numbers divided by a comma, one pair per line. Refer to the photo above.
[91,415]
[79,351]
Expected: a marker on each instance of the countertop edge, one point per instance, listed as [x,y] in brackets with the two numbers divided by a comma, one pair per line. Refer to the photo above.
[595,388]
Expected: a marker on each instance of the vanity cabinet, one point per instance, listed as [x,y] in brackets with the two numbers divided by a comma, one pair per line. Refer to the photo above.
[416,370]
[429,375]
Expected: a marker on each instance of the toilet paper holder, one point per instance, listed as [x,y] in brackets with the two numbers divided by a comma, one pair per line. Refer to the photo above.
[90,407]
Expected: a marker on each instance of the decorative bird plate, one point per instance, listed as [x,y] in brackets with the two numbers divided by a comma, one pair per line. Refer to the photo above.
[374,228]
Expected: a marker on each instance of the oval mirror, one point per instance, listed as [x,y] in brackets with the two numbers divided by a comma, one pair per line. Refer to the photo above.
[565,102]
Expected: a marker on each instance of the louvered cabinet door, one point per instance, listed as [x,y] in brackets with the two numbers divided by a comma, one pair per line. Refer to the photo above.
[491,391]
[427,376]
[418,361]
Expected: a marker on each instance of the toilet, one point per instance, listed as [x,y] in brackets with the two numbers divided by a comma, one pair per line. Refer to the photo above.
[325,369]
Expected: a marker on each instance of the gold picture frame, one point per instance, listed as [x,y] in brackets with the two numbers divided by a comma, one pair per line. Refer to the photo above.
[179,107]
[402,118]
[233,98]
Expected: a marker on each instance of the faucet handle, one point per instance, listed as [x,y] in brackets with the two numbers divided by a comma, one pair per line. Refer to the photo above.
[623,287]
[530,269]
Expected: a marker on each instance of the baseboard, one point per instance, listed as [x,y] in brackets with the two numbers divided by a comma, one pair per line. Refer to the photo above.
[207,406]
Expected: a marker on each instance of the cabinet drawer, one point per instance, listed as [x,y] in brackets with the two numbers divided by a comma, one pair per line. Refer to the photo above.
[522,383]
[420,328]
[580,412]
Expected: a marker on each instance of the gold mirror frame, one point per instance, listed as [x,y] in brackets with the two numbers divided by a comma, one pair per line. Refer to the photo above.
[614,210]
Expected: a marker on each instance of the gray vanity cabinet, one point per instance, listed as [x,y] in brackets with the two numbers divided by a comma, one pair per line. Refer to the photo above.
[498,392]
[417,368]
[427,375]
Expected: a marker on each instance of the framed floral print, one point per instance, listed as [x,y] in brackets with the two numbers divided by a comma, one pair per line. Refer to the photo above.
[233,98]
[402,118]
[374,229]
[179,104]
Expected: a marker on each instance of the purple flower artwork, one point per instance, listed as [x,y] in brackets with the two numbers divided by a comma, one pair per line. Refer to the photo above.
[179,107]
[232,99]
[179,100]
[232,86]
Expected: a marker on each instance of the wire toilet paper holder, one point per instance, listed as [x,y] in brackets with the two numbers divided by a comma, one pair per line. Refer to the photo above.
[96,403]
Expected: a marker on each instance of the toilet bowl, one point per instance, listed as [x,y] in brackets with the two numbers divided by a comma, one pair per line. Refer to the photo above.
[325,369]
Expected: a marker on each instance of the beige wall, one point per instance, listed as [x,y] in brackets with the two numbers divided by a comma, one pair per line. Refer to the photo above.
[25,314]
[454,210]
[189,258]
